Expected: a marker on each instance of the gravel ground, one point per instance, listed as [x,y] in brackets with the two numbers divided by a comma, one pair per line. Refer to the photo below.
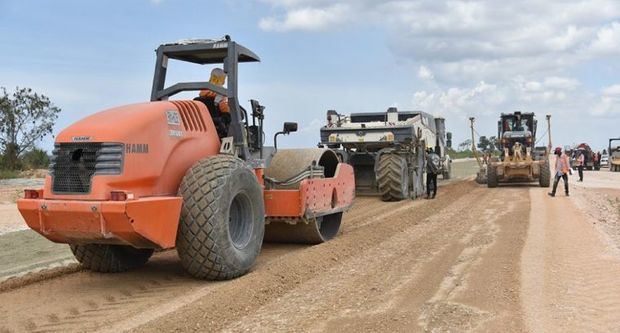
[509,259]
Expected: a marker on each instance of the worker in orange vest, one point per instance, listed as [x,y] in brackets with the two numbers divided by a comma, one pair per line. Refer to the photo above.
[580,163]
[562,169]
[216,103]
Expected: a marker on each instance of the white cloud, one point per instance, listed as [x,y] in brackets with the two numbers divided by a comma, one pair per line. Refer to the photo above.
[613,90]
[481,98]
[552,93]
[425,74]
[486,36]
[607,40]
[306,18]
[482,57]
[609,103]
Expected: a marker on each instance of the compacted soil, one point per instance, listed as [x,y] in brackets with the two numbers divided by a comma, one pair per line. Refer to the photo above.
[509,259]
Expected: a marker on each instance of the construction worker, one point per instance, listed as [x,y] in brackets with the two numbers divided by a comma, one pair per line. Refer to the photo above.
[562,169]
[217,104]
[433,167]
[596,159]
[580,163]
[517,126]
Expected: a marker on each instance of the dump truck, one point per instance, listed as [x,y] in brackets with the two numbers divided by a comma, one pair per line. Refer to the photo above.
[588,156]
[161,174]
[386,149]
[520,159]
[614,154]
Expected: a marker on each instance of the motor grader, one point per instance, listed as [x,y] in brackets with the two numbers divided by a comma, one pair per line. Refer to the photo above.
[520,159]
[157,175]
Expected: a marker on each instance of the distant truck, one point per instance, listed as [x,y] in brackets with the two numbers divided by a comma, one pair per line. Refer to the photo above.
[614,154]
[583,149]
[386,149]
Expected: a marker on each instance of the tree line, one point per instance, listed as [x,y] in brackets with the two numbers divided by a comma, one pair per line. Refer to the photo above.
[484,144]
[26,117]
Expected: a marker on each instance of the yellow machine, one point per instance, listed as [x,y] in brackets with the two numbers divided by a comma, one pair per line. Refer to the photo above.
[520,160]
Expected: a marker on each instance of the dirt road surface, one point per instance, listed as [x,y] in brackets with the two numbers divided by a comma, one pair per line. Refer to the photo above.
[509,259]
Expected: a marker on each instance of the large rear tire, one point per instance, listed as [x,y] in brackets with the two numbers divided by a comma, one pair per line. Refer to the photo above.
[393,177]
[222,219]
[107,258]
[491,176]
[545,175]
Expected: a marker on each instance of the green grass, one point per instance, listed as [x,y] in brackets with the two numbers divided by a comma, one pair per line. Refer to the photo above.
[8,174]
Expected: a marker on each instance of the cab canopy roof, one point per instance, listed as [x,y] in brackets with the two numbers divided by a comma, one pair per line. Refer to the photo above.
[515,113]
[206,51]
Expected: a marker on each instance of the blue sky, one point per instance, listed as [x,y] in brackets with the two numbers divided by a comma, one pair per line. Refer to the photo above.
[456,59]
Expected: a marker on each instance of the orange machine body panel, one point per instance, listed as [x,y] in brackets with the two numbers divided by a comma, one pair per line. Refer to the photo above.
[315,197]
[161,141]
[158,150]
[142,223]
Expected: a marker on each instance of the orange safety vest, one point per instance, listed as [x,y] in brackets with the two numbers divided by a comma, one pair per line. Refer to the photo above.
[565,164]
[220,101]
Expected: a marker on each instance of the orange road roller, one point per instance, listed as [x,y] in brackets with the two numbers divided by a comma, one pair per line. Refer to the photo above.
[187,174]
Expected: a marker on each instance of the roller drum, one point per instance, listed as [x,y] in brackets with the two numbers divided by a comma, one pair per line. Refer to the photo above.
[303,231]
[288,163]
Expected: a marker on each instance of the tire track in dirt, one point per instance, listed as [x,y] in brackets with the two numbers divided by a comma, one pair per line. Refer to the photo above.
[241,297]
[87,301]
[161,287]
[362,290]
[383,288]
[570,281]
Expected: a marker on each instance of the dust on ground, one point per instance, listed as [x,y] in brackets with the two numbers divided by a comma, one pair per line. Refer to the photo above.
[570,265]
[508,259]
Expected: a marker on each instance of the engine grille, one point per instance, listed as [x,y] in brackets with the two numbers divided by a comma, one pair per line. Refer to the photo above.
[74,164]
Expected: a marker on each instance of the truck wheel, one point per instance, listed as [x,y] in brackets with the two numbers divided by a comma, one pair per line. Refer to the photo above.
[222,218]
[545,175]
[491,176]
[393,177]
[107,258]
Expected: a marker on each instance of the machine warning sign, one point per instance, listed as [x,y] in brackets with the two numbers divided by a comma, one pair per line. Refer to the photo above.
[136,148]
[173,117]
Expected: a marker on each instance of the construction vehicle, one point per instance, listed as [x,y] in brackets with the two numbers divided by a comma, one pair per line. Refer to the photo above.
[157,175]
[520,160]
[481,175]
[386,149]
[588,156]
[614,155]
